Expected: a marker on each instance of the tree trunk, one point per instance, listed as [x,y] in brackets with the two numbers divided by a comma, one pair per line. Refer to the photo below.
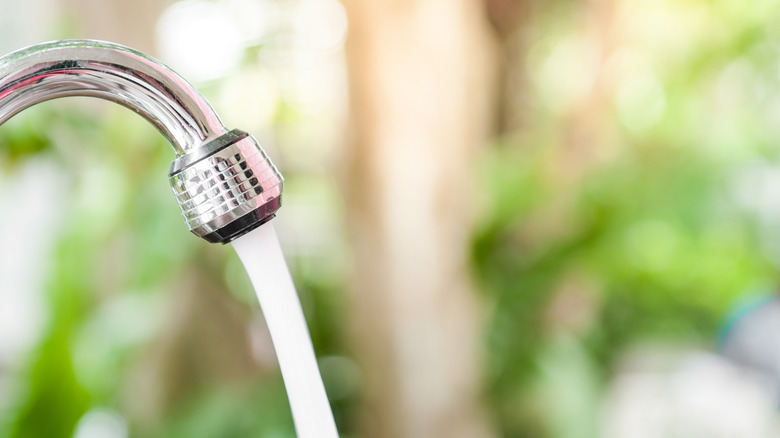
[420,89]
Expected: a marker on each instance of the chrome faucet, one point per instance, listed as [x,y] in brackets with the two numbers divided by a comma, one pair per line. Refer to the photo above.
[223,181]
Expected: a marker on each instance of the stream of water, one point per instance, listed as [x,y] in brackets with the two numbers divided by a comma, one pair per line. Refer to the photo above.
[262,257]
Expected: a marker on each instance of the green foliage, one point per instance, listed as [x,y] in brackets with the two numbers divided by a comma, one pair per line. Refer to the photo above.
[56,401]
[634,231]
[258,411]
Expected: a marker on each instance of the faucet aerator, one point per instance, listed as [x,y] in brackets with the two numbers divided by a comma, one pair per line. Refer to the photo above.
[226,187]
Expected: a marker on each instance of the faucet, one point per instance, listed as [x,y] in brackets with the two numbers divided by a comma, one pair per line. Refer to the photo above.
[224,182]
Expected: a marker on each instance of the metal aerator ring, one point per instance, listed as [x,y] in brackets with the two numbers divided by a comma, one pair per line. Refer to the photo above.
[227,187]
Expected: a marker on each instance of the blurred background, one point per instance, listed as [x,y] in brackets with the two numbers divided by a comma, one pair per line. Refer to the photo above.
[505,218]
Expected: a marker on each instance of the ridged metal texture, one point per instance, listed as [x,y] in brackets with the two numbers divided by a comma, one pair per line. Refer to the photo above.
[225,185]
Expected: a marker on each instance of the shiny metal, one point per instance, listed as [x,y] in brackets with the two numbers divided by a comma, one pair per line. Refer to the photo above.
[224,182]
[234,183]
[112,72]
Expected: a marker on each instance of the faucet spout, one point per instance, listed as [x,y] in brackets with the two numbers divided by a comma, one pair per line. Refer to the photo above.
[224,182]
[111,72]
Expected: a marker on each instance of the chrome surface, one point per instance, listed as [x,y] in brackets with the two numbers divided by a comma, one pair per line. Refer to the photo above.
[111,72]
[226,185]
[223,181]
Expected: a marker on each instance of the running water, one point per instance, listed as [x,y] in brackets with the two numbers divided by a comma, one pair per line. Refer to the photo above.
[262,257]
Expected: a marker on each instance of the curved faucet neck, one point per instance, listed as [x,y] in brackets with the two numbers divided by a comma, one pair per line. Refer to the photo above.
[111,72]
